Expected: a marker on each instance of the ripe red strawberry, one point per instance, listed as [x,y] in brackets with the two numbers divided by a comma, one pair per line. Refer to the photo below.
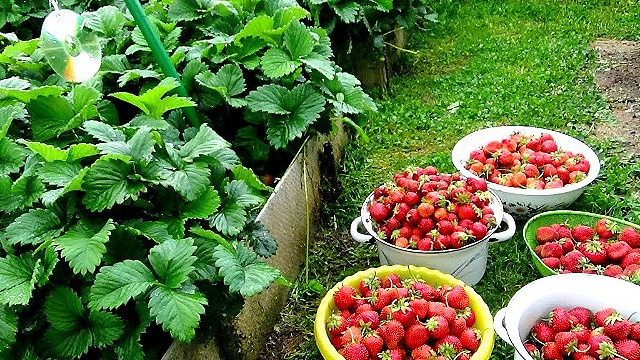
[551,249]
[368,284]
[618,250]
[449,346]
[574,261]
[550,351]
[336,342]
[628,349]
[616,326]
[478,230]
[634,333]
[630,236]
[582,314]
[379,212]
[631,258]
[369,317]
[559,319]
[438,308]
[427,291]
[426,210]
[582,332]
[457,298]
[567,244]
[420,307]
[542,332]
[392,333]
[470,339]
[566,341]
[605,228]
[545,234]
[552,262]
[533,351]
[416,336]
[394,354]
[336,324]
[344,297]
[613,271]
[373,343]
[403,313]
[380,298]
[423,352]
[457,326]
[391,280]
[582,233]
[562,230]
[355,351]
[437,326]
[549,146]
[601,347]
[601,316]
[595,251]
[351,335]
[445,227]
[468,315]
[582,353]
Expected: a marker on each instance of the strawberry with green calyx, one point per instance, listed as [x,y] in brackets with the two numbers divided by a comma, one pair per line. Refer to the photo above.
[355,351]
[370,318]
[420,307]
[373,343]
[575,261]
[542,332]
[459,239]
[393,354]
[392,333]
[595,251]
[351,335]
[601,316]
[567,342]
[380,298]
[437,326]
[449,346]
[457,327]
[423,352]
[426,291]
[403,312]
[632,274]
[606,228]
[336,324]
[601,347]
[551,351]
[468,315]
[344,297]
[559,319]
[368,284]
[457,297]
[379,212]
[391,280]
[616,326]
[582,332]
[533,351]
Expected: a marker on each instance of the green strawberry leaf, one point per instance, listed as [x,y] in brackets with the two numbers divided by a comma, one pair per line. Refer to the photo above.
[8,327]
[258,236]
[173,261]
[205,142]
[276,63]
[205,205]
[34,227]
[18,278]
[189,179]
[103,132]
[298,40]
[84,246]
[8,114]
[11,157]
[178,311]
[228,82]
[108,182]
[204,266]
[115,285]
[106,328]
[243,272]
[153,102]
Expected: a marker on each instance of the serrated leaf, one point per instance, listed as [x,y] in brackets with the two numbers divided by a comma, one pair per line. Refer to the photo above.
[152,230]
[347,11]
[81,151]
[48,152]
[17,279]
[277,63]
[228,82]
[184,10]
[67,344]
[105,328]
[11,157]
[189,180]
[238,192]
[321,64]
[133,100]
[34,227]
[8,327]
[108,183]
[286,15]
[47,124]
[8,114]
[226,157]
[103,132]
[83,247]
[21,194]
[63,309]
[108,20]
[230,219]
[59,173]
[173,261]
[18,89]
[178,312]
[134,74]
[258,27]
[115,285]
[258,236]
[205,205]
[268,98]
[206,142]
[152,102]
[49,262]
[128,347]
[212,236]
[298,40]
[204,266]
[243,272]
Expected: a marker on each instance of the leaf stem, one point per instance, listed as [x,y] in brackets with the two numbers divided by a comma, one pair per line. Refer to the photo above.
[401,49]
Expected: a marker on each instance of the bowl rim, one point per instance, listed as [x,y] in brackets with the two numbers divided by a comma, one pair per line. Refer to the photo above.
[477,303]
[594,169]
[568,213]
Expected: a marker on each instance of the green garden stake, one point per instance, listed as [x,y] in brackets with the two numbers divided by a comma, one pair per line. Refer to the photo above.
[160,54]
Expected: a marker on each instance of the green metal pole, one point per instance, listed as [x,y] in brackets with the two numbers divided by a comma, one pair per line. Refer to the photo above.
[160,54]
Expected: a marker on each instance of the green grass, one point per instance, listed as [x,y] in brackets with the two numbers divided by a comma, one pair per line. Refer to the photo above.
[503,62]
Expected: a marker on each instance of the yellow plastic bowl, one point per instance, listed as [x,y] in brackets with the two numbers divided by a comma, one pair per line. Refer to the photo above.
[484,319]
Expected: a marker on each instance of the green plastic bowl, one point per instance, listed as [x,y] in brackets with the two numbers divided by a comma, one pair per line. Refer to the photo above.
[571,218]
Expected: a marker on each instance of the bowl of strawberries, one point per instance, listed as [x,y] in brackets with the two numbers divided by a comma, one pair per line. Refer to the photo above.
[403,312]
[572,316]
[531,169]
[440,221]
[565,241]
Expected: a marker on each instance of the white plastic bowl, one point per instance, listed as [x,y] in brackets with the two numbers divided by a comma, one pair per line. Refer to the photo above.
[534,301]
[467,263]
[523,203]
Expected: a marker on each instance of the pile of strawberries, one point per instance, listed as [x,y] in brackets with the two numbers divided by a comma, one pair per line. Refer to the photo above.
[425,210]
[393,319]
[604,249]
[580,335]
[526,161]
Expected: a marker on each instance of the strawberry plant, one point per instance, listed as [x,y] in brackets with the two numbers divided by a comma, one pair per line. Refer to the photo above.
[115,216]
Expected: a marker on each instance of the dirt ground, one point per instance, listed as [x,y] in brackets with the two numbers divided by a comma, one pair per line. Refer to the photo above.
[618,77]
